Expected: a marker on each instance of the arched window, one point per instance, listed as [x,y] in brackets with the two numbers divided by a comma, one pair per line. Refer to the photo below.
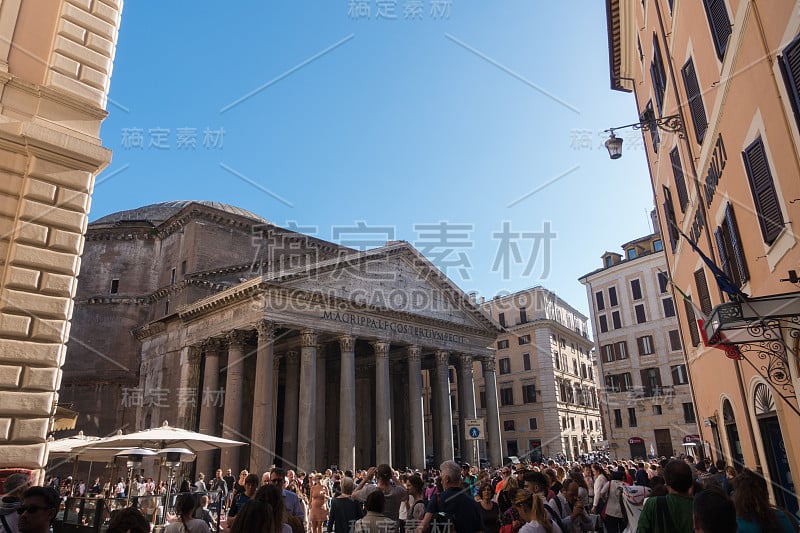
[732,432]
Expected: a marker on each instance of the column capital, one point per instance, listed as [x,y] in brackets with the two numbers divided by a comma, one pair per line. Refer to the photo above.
[414,352]
[381,348]
[488,365]
[211,345]
[195,351]
[266,330]
[466,361]
[291,357]
[347,343]
[308,338]
[442,357]
[236,337]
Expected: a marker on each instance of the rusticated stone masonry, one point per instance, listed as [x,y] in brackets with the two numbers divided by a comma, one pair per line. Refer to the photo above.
[55,67]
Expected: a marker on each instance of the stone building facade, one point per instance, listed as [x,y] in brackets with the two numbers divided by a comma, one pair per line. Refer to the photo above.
[725,73]
[312,353]
[55,69]
[546,376]
[646,396]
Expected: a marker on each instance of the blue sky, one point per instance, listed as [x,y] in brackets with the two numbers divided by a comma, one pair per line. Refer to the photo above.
[441,126]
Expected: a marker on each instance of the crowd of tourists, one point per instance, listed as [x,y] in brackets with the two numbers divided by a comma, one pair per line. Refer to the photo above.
[664,496]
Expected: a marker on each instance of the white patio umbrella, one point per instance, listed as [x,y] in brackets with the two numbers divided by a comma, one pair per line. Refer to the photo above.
[164,437]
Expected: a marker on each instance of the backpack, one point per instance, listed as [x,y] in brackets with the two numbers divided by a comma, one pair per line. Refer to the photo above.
[442,522]
[554,517]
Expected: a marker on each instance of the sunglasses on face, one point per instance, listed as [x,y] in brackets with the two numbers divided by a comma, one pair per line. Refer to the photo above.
[276,481]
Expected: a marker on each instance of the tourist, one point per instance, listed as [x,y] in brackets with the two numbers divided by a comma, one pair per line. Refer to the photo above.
[260,514]
[239,485]
[250,488]
[202,512]
[292,501]
[531,510]
[344,509]
[416,487]
[394,494]
[569,507]
[490,511]
[375,521]
[15,485]
[128,520]
[505,499]
[185,505]
[452,501]
[714,513]
[318,511]
[754,513]
[599,489]
[200,484]
[615,519]
[671,513]
[38,509]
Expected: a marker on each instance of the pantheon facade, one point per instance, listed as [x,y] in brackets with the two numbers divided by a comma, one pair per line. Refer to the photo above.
[314,354]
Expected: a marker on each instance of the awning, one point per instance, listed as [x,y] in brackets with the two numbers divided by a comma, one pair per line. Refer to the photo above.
[64,419]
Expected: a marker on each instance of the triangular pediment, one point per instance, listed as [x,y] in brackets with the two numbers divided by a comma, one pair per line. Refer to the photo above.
[394,277]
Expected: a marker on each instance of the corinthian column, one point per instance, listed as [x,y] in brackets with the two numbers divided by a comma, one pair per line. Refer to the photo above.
[347,404]
[307,420]
[445,418]
[291,413]
[466,406]
[415,413]
[492,413]
[209,424]
[383,406]
[232,413]
[319,459]
[189,376]
[262,447]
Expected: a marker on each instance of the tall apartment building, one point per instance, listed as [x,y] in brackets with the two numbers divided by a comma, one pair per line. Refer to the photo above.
[725,73]
[55,70]
[545,376]
[646,399]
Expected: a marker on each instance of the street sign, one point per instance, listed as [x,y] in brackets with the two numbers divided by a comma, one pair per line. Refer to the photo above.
[474,428]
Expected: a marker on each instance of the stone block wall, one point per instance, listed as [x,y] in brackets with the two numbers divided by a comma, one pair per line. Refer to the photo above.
[52,100]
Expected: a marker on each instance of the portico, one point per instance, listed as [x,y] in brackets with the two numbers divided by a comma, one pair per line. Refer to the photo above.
[323,364]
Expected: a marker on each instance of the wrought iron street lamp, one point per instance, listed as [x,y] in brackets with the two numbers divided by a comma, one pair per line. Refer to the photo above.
[670,124]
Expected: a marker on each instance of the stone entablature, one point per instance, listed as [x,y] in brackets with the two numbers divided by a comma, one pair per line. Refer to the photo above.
[336,358]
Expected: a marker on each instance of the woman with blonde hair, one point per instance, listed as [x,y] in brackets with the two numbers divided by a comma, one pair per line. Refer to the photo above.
[318,511]
[531,510]
[504,497]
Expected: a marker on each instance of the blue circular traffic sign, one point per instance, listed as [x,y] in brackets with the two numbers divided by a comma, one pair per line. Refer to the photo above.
[474,432]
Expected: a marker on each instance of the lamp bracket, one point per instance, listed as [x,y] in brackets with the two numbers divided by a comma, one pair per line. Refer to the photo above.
[670,124]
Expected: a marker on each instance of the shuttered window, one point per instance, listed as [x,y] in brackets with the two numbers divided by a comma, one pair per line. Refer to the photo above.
[680,179]
[658,75]
[662,282]
[703,296]
[636,289]
[696,107]
[674,340]
[600,302]
[692,320]
[669,218]
[719,23]
[649,116]
[612,296]
[765,198]
[730,249]
[789,61]
[651,379]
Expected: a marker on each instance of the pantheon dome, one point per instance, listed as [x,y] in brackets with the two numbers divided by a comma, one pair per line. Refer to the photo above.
[158,213]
